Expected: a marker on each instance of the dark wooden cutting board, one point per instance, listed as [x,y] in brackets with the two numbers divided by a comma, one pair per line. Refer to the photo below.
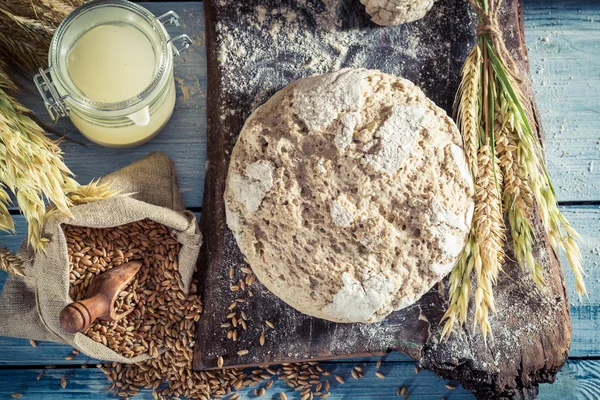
[257,47]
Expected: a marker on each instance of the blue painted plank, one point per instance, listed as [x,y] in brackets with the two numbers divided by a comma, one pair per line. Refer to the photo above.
[585,313]
[91,384]
[184,137]
[579,379]
[563,40]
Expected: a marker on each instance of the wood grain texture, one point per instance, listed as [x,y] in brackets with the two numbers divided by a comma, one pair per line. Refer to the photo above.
[578,380]
[563,39]
[91,384]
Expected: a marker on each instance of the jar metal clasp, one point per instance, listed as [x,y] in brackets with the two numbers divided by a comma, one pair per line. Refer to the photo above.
[55,104]
[171,17]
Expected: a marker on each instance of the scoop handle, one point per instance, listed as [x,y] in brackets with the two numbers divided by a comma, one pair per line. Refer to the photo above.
[103,293]
[78,316]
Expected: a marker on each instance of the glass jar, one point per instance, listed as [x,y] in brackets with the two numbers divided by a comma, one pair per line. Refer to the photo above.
[111,71]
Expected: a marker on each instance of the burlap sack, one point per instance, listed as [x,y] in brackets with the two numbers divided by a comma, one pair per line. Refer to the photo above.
[30,305]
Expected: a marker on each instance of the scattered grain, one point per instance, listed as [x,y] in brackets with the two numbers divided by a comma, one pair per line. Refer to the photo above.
[242,352]
[270,324]
[379,375]
[63,382]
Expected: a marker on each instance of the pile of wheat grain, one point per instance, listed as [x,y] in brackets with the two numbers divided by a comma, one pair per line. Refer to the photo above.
[156,293]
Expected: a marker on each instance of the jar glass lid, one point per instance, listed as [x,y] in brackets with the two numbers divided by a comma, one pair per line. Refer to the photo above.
[131,35]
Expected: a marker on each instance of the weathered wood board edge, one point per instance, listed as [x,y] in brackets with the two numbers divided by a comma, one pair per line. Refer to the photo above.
[225,127]
[538,360]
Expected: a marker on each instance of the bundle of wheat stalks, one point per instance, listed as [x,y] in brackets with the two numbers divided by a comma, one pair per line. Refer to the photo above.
[508,166]
[31,165]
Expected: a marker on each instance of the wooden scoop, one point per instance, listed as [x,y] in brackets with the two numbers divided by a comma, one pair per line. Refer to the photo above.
[101,297]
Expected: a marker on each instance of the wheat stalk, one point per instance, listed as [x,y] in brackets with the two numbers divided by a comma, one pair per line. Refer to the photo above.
[24,41]
[93,191]
[489,228]
[561,235]
[467,107]
[460,287]
[31,165]
[517,194]
[50,12]
[10,263]
[510,175]
[6,222]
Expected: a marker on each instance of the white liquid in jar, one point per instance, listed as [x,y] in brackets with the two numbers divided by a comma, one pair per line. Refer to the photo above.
[113,63]
[131,134]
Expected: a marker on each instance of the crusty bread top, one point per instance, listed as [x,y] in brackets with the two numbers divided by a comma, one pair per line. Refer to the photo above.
[396,12]
[349,194]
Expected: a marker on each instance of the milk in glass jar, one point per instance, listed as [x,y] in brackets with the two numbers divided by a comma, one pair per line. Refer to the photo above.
[111,72]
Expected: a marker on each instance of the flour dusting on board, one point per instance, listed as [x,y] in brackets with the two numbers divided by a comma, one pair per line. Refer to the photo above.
[283,49]
[261,48]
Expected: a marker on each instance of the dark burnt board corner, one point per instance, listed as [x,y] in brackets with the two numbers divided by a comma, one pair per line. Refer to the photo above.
[256,48]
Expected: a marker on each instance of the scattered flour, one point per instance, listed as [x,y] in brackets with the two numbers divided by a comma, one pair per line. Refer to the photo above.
[396,138]
[348,123]
[360,300]
[318,102]
[342,212]
[252,188]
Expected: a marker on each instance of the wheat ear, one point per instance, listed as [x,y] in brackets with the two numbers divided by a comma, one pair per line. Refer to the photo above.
[489,232]
[10,262]
[467,107]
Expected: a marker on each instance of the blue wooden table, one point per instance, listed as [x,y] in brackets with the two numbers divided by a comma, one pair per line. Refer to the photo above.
[563,38]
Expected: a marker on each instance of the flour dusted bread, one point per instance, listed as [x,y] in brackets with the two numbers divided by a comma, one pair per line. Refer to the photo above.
[349,194]
[396,12]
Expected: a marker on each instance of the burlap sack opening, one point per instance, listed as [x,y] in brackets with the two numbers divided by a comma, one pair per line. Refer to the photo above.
[30,305]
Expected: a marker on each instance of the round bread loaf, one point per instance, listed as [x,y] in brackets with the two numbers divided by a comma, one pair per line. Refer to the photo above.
[349,194]
[396,12]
